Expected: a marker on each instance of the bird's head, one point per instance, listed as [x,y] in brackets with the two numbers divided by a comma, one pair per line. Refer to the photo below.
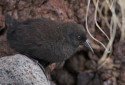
[76,35]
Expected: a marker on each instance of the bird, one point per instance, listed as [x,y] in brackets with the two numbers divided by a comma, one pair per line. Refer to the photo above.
[47,41]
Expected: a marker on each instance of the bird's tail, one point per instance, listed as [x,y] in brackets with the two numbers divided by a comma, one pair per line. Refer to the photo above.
[9,20]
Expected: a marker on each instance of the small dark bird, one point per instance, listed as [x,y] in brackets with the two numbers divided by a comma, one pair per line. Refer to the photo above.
[45,40]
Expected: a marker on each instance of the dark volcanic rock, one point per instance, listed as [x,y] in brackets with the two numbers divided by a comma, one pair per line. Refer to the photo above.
[62,77]
[88,78]
[76,64]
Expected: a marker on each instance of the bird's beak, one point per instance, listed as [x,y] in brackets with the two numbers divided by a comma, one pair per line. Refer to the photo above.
[86,43]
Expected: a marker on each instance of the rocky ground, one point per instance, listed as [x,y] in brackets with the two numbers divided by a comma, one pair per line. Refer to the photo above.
[80,69]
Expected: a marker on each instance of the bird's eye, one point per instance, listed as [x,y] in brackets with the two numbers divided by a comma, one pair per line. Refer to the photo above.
[79,37]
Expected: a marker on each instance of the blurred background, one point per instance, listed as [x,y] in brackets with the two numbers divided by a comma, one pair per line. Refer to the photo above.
[104,20]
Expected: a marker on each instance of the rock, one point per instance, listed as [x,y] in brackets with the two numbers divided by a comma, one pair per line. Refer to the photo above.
[20,70]
[2,20]
[76,64]
[62,77]
[89,78]
[84,78]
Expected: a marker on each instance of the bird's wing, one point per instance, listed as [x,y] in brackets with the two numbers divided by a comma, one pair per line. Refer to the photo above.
[27,34]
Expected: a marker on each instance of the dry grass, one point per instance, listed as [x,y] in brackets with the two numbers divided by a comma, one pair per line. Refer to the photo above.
[116,21]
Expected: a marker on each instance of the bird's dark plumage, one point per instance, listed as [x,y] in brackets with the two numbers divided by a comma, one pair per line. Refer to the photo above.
[43,39]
